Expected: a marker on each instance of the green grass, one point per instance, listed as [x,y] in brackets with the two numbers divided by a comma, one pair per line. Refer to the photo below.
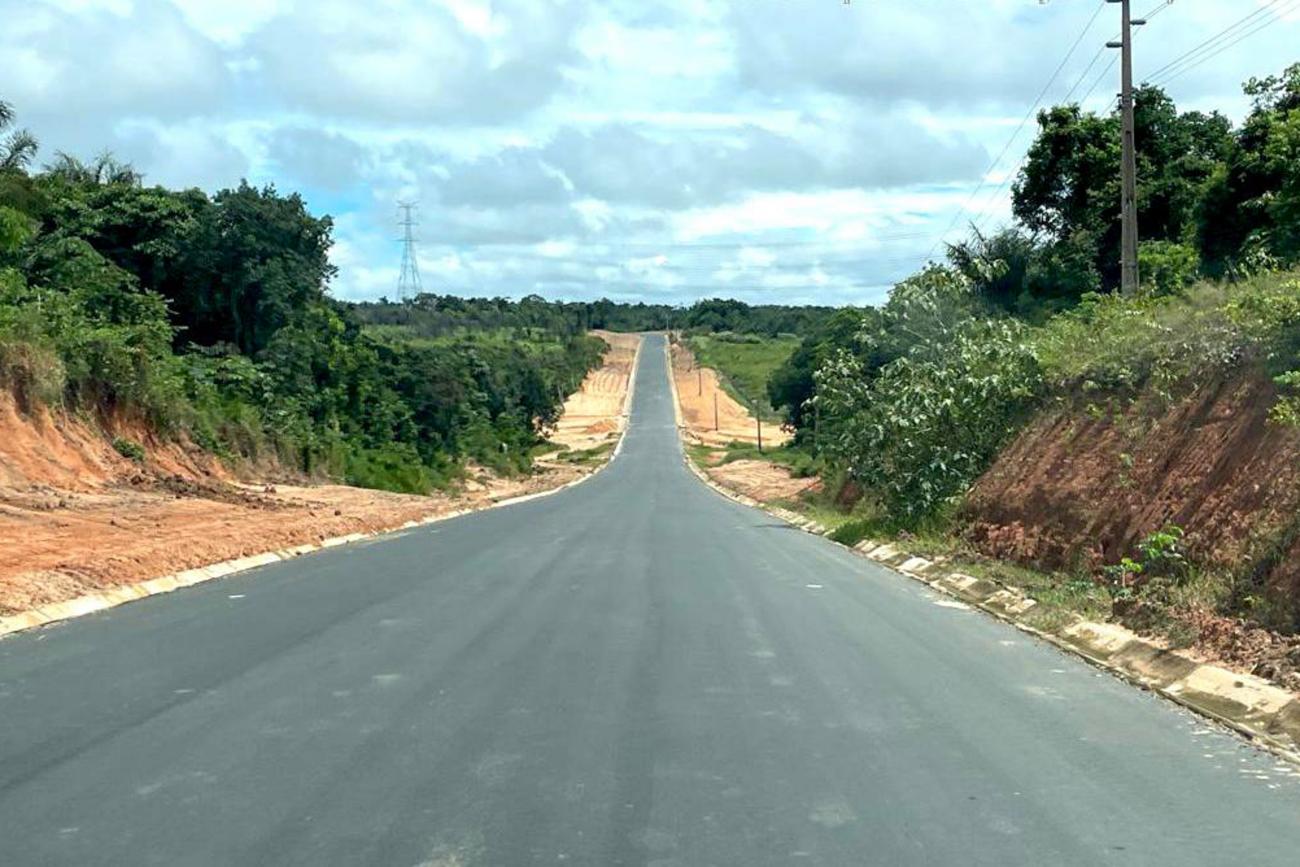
[745,362]
[527,337]
[587,457]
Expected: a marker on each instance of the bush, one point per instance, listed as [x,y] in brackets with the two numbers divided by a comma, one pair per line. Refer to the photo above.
[395,467]
[930,422]
[1168,268]
[129,449]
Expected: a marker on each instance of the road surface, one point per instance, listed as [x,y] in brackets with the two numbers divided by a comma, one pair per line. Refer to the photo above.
[633,671]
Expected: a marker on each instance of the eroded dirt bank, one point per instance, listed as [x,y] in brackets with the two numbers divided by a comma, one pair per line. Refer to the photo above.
[597,412]
[77,517]
[1081,486]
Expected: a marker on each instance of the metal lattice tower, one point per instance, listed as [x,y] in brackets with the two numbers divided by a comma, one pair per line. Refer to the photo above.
[408,282]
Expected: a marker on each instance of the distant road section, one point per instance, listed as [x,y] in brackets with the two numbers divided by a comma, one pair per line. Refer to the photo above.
[634,671]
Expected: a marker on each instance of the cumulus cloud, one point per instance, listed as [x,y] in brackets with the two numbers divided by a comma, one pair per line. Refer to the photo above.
[316,158]
[408,62]
[74,73]
[791,150]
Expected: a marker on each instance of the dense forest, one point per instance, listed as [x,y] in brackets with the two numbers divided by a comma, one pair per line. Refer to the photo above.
[911,401]
[209,317]
[433,316]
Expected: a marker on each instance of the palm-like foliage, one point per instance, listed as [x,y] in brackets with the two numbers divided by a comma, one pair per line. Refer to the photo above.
[18,148]
[105,169]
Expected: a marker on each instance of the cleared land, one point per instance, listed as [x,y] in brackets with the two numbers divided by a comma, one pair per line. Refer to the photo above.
[597,412]
[745,362]
[709,412]
[78,517]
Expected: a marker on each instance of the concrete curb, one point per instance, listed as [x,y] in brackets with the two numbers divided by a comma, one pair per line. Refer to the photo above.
[672,386]
[626,414]
[111,598]
[1265,714]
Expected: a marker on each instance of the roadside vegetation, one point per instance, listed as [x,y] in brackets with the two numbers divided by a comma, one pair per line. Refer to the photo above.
[901,408]
[745,363]
[208,319]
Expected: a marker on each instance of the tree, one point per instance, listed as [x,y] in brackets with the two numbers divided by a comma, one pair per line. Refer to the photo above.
[1251,207]
[104,170]
[1068,191]
[17,149]
[256,258]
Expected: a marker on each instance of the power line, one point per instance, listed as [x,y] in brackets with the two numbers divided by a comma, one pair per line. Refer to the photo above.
[986,211]
[1019,129]
[1275,15]
[1212,41]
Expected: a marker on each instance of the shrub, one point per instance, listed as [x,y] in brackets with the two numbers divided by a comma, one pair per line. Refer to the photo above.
[129,449]
[1163,555]
[394,467]
[1168,268]
[931,421]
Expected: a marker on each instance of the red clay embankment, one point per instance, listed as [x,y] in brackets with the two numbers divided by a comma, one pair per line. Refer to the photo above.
[1081,485]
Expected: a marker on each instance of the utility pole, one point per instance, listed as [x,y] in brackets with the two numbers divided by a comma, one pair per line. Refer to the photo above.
[715,410]
[408,281]
[758,420]
[1128,196]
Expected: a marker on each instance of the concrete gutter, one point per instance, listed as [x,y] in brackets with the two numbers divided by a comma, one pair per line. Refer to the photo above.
[90,603]
[1264,713]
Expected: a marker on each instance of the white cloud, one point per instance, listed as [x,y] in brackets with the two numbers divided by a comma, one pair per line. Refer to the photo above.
[769,149]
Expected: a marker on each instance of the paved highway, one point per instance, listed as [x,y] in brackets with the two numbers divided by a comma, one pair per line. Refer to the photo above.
[633,671]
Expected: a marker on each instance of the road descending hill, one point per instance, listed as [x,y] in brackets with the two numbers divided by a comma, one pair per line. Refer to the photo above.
[632,671]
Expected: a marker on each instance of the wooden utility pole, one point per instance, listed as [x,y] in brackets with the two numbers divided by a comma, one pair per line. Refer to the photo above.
[1129,276]
[758,420]
[715,410]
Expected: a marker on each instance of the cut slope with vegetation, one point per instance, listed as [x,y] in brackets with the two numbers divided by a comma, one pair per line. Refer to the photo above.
[1143,449]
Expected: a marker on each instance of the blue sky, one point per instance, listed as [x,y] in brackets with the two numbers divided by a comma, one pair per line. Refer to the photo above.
[771,150]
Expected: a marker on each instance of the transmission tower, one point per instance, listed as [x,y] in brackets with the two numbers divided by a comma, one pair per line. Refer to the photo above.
[408,282]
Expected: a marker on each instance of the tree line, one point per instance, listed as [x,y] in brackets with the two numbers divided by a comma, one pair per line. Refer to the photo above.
[432,315]
[209,317]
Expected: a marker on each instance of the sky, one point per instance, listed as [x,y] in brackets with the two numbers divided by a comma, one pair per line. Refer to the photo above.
[775,151]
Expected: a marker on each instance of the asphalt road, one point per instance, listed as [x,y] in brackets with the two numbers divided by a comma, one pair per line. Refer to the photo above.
[633,671]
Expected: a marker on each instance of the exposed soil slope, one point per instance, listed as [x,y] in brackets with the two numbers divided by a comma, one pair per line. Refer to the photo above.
[76,517]
[1082,488]
[596,412]
[699,393]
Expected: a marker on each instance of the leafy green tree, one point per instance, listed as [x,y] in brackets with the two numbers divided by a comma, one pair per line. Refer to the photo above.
[1068,191]
[256,258]
[1251,208]
[792,384]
